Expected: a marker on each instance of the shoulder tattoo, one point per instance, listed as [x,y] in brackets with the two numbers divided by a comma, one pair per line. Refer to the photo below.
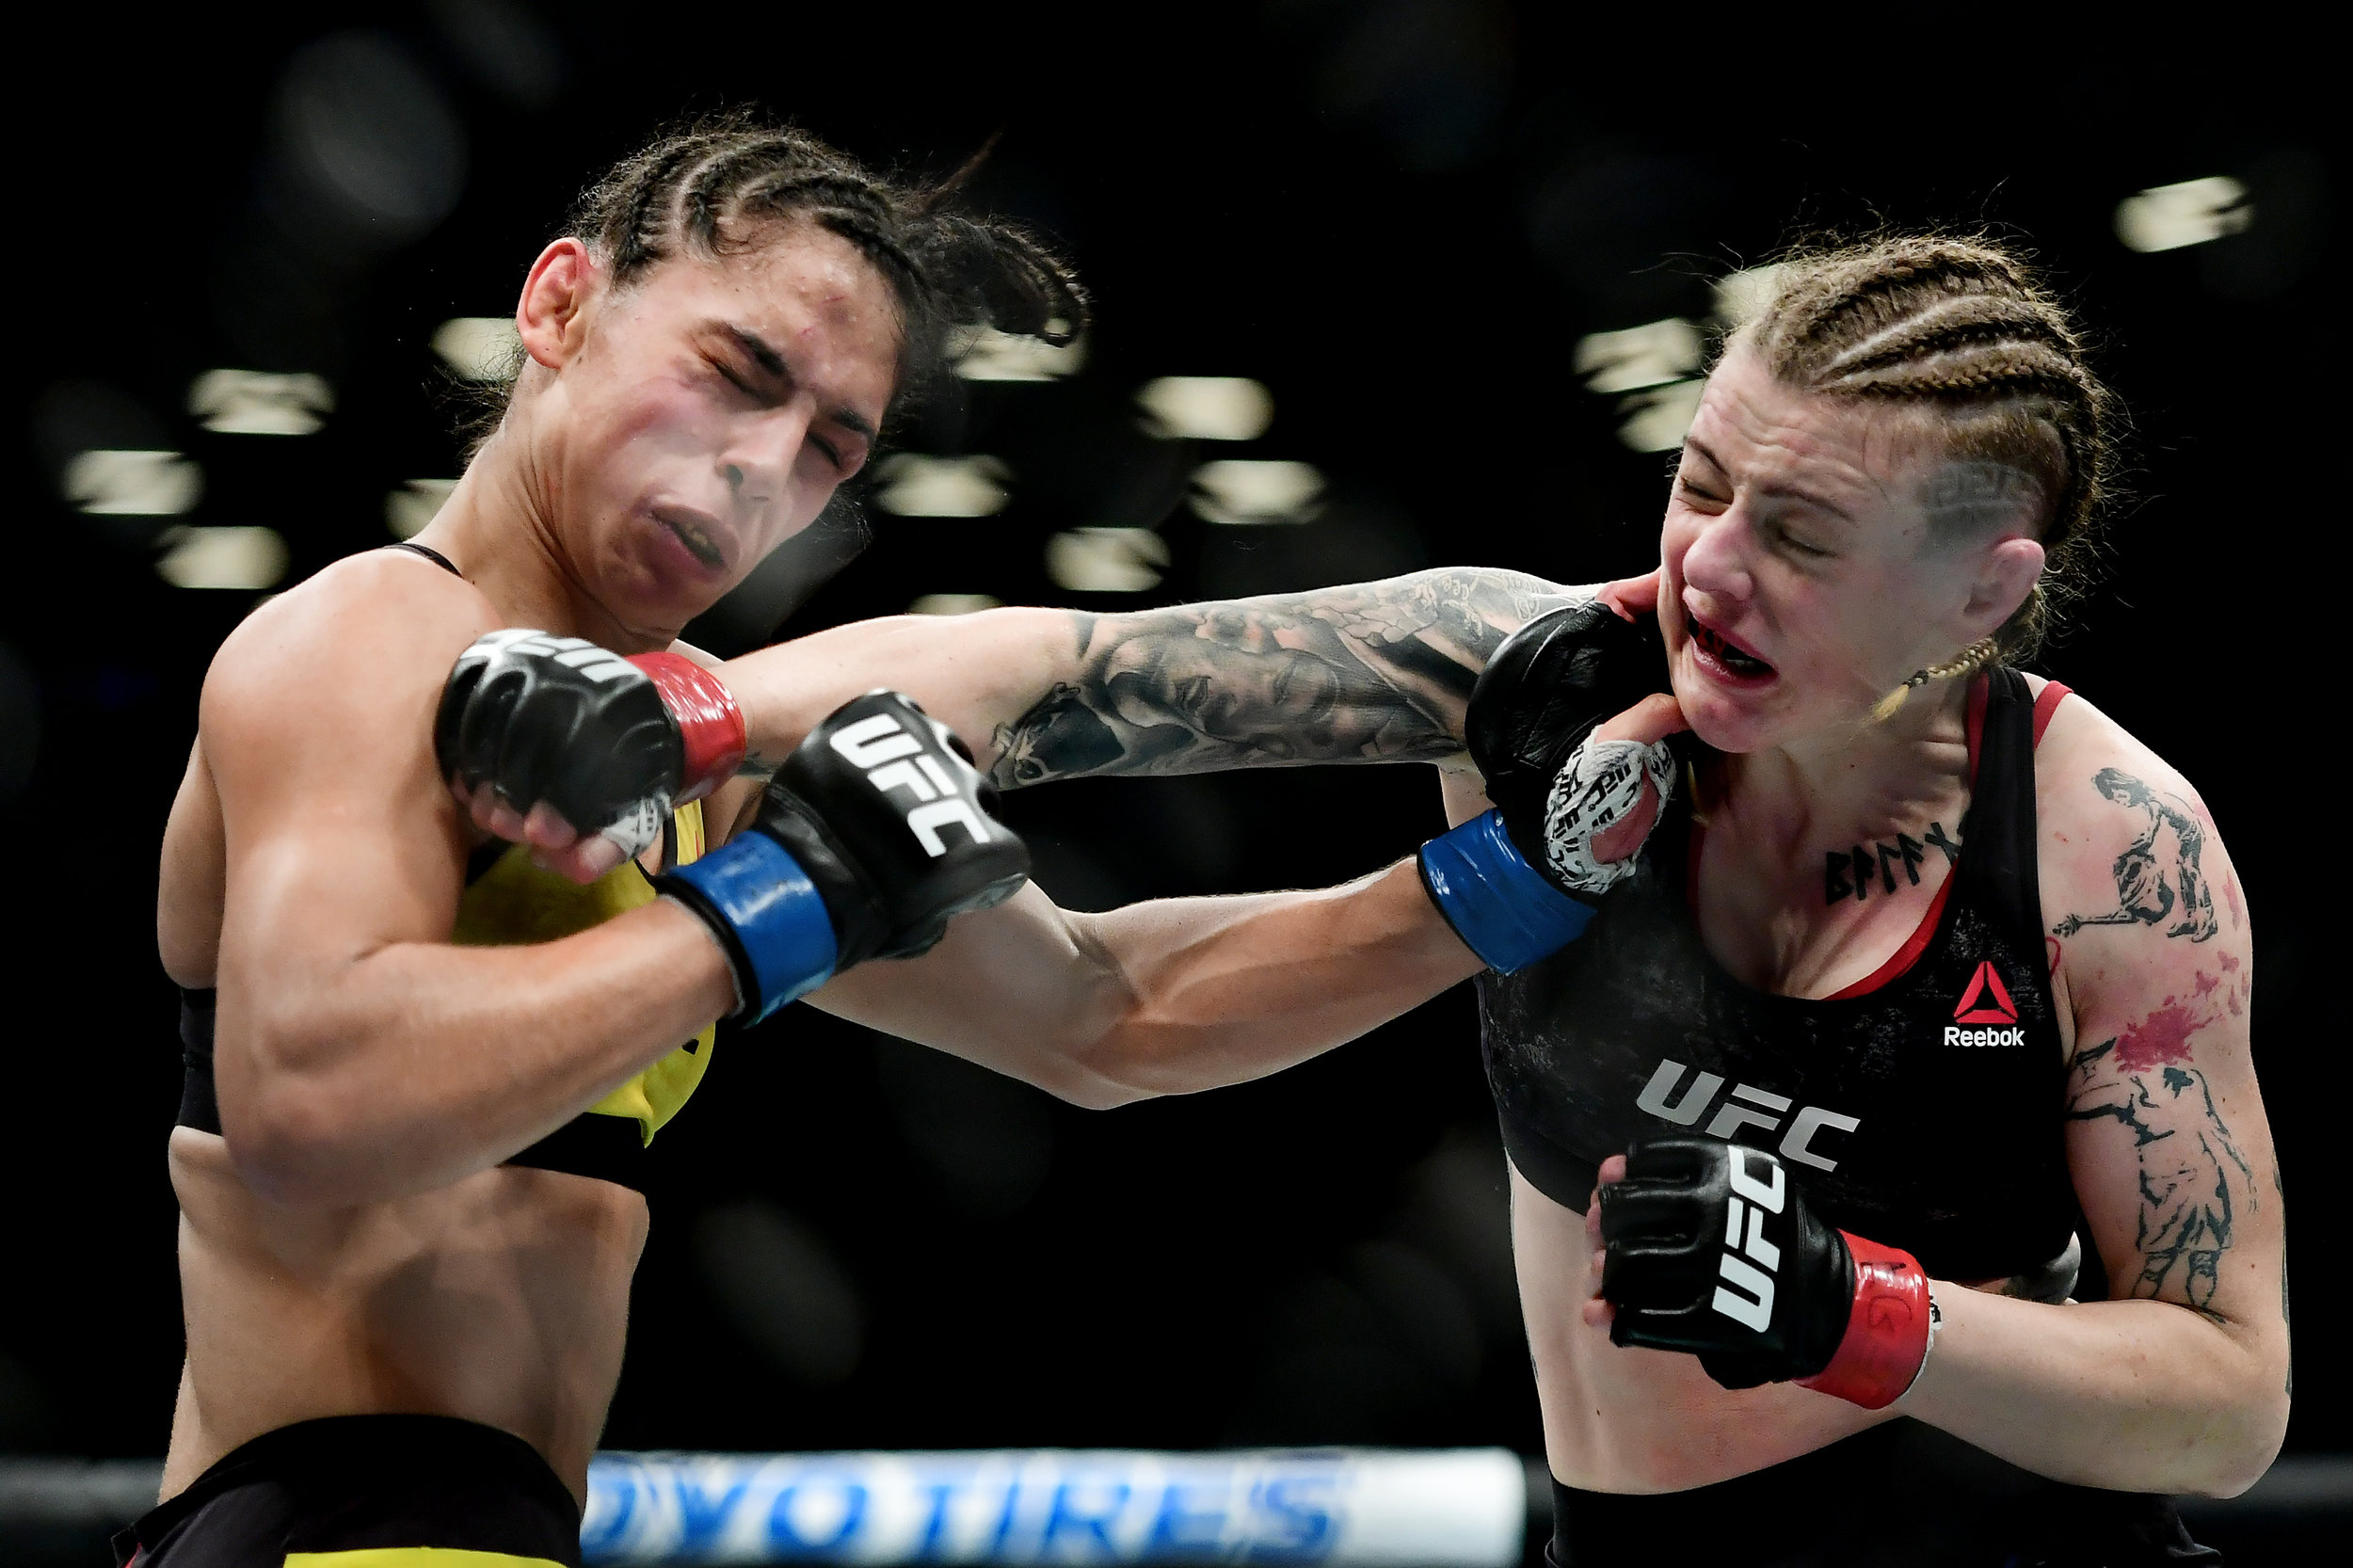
[2158,881]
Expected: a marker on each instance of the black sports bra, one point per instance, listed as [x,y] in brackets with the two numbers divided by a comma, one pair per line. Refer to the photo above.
[1920,1108]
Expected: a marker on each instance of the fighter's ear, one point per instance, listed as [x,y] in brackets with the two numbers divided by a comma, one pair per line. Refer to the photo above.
[552,316]
[2007,574]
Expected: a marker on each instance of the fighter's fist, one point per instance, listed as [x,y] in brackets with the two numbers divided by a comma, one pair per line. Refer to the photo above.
[876,832]
[1567,725]
[608,744]
[1710,1249]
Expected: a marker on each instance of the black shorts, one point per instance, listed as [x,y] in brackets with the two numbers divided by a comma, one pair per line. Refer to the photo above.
[1898,1493]
[364,1484]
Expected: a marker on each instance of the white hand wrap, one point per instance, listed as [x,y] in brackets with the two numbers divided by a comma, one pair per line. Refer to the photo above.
[1599,787]
[637,827]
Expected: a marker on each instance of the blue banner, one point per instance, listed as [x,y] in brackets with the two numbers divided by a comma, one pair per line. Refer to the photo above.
[1447,1509]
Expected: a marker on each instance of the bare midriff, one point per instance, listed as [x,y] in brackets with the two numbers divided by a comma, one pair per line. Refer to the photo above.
[503,1299]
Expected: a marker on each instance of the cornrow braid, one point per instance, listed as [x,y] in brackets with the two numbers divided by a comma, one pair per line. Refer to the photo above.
[1959,328]
[720,186]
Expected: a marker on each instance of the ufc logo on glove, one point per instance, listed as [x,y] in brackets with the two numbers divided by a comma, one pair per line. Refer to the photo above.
[1711,1249]
[895,759]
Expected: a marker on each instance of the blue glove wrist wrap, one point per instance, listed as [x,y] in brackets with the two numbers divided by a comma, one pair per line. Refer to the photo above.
[1499,904]
[784,939]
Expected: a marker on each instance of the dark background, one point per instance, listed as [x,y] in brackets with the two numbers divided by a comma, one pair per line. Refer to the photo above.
[1401,215]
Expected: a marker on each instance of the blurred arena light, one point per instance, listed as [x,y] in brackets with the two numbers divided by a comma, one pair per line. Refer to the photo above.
[1107,560]
[1243,491]
[954,604]
[985,354]
[1658,419]
[134,484]
[256,403]
[1644,356]
[369,153]
[242,557]
[1443,1509]
[1206,407]
[1741,294]
[2166,218]
[479,349]
[407,510]
[914,486]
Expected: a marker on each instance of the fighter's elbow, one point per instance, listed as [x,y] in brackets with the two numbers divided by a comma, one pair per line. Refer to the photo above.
[2248,1437]
[288,1145]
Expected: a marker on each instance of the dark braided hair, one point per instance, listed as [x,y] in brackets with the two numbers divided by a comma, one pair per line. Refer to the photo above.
[1959,328]
[719,187]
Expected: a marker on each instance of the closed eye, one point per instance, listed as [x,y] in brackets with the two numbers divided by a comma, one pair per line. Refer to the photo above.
[1797,546]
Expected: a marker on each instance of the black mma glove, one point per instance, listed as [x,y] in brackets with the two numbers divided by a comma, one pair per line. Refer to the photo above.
[611,743]
[1529,728]
[876,831]
[1711,1249]
[1519,883]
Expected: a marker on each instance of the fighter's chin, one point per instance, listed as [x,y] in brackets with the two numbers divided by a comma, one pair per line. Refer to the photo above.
[1718,718]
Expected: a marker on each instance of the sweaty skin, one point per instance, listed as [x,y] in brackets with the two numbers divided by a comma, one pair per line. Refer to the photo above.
[350,1243]
[1829,546]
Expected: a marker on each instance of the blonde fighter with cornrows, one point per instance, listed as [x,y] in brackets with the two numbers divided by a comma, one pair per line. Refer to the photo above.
[1926,968]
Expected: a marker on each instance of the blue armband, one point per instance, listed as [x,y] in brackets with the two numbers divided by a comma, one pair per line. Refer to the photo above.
[768,917]
[1499,904]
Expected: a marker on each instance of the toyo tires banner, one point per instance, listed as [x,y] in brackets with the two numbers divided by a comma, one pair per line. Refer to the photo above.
[1448,1508]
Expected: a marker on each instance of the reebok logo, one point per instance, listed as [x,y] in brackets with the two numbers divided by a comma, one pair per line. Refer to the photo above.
[1985,1001]
[1744,1106]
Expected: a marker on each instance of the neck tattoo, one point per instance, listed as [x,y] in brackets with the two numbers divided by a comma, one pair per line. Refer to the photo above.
[1848,872]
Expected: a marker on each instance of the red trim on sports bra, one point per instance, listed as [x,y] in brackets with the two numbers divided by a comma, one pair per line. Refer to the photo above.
[1907,955]
[2045,705]
[1917,943]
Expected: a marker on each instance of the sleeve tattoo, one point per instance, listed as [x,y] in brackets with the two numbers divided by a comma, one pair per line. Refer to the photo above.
[2192,1177]
[1375,672]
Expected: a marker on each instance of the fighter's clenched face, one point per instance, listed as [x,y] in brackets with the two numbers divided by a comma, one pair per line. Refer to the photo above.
[1817,550]
[684,424]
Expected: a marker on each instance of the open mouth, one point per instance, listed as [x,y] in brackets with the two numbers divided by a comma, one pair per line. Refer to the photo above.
[688,533]
[1729,660]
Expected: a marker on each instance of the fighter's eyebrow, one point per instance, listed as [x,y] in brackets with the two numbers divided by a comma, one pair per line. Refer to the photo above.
[1775,487]
[757,346]
[767,358]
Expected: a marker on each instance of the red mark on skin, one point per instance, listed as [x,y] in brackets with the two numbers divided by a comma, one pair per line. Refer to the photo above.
[2229,894]
[2206,982]
[2232,1001]
[2053,943]
[2230,963]
[2161,1036]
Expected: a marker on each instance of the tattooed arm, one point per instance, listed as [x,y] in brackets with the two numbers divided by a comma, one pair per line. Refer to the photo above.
[1373,672]
[2179,1382]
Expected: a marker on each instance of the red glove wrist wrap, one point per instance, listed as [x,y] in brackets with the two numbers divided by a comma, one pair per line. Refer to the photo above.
[1887,1330]
[708,720]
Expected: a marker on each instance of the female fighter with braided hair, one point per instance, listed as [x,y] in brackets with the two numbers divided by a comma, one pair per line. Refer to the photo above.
[1804,1124]
[421,1073]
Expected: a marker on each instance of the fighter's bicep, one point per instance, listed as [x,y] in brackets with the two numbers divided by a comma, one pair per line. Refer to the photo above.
[2167,1139]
